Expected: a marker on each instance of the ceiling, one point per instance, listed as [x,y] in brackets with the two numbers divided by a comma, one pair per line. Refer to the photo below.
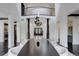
[50,5]
[76,12]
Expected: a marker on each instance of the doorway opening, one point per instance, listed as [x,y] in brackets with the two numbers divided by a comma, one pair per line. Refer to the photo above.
[3,35]
[6,35]
[70,35]
[15,34]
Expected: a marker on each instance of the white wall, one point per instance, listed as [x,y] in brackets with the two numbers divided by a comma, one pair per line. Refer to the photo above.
[1,31]
[23,30]
[53,31]
[18,31]
[65,8]
[10,33]
[10,9]
[18,5]
[63,30]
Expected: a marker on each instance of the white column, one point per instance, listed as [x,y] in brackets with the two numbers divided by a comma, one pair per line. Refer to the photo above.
[63,30]
[10,32]
[53,29]
[1,31]
[18,31]
[23,31]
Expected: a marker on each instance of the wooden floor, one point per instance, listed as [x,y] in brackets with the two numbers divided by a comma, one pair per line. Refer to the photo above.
[75,50]
[38,48]
[3,49]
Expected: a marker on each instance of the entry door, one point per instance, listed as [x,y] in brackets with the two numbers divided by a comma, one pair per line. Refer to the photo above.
[5,34]
[70,36]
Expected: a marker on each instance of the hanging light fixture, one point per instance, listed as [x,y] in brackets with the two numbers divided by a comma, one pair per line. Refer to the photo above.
[37,21]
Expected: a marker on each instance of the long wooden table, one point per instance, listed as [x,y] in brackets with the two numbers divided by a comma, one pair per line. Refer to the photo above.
[42,48]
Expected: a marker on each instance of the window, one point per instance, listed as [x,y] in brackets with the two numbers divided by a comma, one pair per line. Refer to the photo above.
[38,31]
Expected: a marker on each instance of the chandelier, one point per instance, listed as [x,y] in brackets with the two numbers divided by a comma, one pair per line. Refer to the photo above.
[37,21]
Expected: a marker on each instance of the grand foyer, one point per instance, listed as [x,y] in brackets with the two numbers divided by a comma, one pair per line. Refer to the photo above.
[38,29]
[39,32]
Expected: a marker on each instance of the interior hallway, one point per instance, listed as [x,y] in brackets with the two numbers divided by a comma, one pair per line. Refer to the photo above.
[37,20]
